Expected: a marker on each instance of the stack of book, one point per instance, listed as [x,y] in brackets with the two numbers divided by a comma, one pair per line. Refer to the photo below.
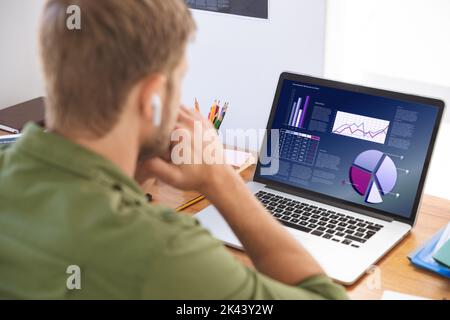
[6,140]
[435,254]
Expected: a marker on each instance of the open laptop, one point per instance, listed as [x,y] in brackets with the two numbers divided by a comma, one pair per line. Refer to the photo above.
[343,169]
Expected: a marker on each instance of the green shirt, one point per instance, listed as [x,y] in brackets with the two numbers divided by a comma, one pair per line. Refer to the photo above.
[62,205]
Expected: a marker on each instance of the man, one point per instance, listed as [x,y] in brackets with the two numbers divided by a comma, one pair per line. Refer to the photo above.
[74,224]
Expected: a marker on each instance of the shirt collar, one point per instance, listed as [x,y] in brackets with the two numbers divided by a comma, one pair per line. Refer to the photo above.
[69,156]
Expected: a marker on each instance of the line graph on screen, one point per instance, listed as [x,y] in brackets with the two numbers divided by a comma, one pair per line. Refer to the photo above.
[361,127]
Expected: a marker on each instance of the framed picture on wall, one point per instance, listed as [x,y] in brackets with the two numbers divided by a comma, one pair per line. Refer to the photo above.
[247,8]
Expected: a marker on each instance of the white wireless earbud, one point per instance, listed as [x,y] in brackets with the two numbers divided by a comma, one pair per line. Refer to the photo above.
[157,110]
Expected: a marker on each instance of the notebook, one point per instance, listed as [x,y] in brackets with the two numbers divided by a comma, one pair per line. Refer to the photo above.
[423,257]
[441,252]
[7,140]
[443,255]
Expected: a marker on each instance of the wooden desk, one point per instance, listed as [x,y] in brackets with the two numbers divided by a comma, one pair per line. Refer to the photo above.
[396,273]
[394,270]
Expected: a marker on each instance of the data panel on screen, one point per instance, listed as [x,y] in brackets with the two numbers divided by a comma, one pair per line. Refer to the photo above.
[365,149]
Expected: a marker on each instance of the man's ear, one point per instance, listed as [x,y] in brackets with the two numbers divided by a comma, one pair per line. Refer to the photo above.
[150,106]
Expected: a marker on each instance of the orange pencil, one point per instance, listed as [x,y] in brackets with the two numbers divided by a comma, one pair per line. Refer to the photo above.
[213,111]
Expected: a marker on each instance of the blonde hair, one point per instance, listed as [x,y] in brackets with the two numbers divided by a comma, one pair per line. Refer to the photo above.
[89,72]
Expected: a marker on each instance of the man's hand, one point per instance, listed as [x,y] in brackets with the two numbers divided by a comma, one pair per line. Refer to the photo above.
[272,250]
[203,151]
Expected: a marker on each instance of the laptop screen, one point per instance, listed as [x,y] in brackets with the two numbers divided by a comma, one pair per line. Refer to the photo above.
[362,148]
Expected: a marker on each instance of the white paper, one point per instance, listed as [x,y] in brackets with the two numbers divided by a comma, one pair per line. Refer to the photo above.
[392,295]
[443,240]
[237,158]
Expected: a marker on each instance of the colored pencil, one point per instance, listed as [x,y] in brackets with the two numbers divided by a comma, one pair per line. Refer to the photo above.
[190,203]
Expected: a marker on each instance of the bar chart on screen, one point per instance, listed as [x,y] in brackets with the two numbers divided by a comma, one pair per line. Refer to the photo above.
[298,112]
[361,127]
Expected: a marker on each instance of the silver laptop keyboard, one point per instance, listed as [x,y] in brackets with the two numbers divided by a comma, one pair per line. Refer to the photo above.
[319,222]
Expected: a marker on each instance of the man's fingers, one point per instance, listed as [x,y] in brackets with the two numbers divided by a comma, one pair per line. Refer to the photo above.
[184,119]
[167,156]
[190,114]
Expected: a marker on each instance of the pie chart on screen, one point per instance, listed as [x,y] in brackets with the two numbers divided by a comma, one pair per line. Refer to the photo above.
[373,175]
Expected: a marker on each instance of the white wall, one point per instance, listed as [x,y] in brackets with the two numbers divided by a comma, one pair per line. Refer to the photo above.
[403,38]
[233,58]
[19,68]
[402,45]
[240,59]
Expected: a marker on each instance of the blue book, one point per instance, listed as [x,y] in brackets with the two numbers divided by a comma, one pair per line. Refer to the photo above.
[7,140]
[423,257]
